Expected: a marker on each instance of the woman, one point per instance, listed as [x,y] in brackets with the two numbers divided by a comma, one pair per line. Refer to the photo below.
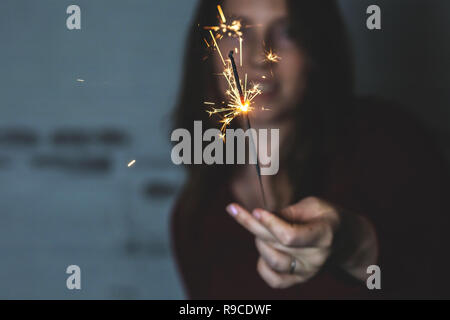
[359,182]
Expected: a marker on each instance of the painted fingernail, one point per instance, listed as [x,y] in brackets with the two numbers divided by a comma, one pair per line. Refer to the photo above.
[257,214]
[232,210]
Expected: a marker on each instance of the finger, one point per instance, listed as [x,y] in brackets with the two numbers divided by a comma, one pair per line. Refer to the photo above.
[314,233]
[281,260]
[277,260]
[307,209]
[294,213]
[309,254]
[274,279]
[249,222]
[309,260]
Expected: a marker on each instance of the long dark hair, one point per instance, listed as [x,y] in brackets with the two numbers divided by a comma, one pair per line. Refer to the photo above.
[321,118]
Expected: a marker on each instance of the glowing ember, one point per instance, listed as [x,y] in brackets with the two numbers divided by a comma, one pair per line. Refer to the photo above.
[244,107]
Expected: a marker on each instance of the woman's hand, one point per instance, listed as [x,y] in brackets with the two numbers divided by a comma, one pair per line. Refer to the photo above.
[293,252]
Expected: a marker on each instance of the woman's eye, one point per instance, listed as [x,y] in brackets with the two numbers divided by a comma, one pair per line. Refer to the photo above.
[282,36]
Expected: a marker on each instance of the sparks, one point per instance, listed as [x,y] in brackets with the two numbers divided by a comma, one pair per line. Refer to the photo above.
[239,97]
[237,104]
[222,16]
[271,56]
[240,51]
[217,47]
[231,30]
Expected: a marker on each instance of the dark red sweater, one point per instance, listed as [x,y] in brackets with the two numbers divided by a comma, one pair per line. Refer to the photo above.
[393,175]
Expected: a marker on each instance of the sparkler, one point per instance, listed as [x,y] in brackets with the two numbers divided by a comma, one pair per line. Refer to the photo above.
[249,126]
[240,97]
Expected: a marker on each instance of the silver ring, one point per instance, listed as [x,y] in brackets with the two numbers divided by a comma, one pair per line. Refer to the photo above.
[293,265]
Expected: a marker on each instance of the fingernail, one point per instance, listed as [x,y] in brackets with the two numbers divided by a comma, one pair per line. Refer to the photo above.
[257,214]
[232,210]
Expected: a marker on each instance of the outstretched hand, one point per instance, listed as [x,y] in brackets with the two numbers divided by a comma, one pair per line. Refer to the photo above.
[294,246]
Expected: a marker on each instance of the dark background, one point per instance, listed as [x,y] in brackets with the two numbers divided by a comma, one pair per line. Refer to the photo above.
[67,195]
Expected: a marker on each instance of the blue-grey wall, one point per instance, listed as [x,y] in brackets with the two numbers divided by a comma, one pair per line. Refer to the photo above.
[67,195]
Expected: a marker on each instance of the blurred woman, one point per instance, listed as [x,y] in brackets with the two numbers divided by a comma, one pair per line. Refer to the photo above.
[359,184]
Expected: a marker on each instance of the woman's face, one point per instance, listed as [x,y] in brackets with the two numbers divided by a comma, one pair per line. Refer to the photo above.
[265,28]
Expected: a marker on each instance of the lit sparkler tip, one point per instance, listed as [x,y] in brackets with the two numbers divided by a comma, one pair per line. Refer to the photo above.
[245,107]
